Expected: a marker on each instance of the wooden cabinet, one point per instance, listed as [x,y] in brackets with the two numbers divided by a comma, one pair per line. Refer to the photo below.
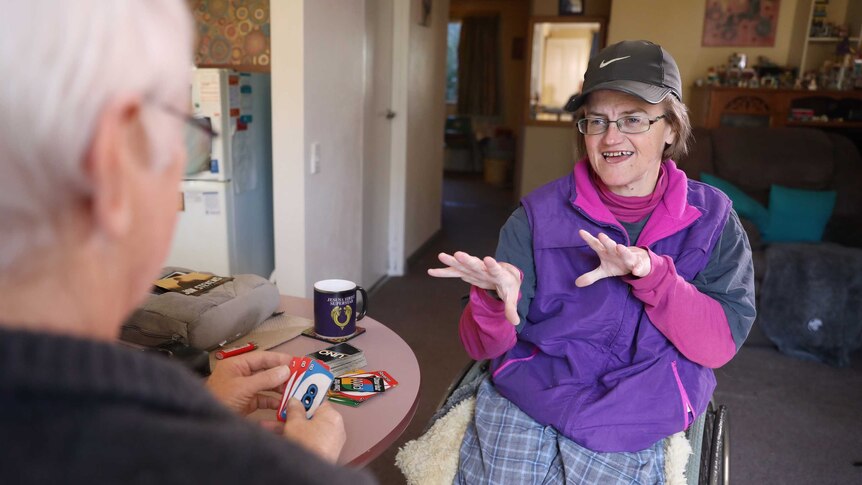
[712,107]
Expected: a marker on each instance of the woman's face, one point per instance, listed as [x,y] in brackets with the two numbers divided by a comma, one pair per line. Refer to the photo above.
[627,163]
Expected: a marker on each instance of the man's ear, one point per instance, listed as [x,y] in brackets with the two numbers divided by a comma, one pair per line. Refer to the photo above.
[110,162]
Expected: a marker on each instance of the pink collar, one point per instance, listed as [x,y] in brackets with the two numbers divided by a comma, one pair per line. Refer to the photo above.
[670,215]
[632,208]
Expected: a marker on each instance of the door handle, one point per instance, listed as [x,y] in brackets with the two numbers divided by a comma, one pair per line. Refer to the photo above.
[390,114]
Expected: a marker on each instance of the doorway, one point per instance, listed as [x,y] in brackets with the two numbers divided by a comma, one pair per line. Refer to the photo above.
[485,76]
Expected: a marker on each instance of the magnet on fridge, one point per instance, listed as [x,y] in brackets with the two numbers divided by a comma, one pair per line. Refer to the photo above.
[213,166]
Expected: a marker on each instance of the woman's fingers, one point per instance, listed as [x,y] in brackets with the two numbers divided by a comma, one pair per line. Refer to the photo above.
[512,309]
[587,279]
[627,256]
[592,241]
[637,260]
[465,266]
[454,269]
[470,262]
[608,243]
[445,272]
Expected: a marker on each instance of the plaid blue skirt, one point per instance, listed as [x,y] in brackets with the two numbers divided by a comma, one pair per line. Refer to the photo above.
[504,445]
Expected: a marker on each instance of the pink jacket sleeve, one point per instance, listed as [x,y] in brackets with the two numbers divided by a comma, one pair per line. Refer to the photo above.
[484,330]
[691,320]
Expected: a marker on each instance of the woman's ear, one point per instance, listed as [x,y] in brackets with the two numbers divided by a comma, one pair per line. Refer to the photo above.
[110,162]
[670,136]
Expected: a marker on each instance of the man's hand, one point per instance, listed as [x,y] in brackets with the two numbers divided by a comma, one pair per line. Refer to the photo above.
[615,259]
[322,435]
[486,273]
[238,381]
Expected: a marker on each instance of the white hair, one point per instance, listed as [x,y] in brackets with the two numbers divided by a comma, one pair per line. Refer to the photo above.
[62,63]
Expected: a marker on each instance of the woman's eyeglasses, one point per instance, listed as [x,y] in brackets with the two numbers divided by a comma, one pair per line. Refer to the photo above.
[629,124]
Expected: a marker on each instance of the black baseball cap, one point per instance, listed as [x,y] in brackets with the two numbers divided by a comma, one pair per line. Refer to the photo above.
[636,67]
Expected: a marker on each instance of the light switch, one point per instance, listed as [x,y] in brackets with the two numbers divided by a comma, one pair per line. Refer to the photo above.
[315,158]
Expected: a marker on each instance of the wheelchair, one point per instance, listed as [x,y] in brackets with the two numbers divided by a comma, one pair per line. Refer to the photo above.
[709,435]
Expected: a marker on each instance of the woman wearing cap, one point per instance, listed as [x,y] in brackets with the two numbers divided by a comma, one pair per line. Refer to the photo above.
[614,292]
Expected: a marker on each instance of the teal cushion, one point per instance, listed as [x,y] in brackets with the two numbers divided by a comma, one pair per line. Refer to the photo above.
[744,205]
[798,215]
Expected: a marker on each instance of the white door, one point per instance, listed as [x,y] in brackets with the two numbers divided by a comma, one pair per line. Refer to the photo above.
[377,141]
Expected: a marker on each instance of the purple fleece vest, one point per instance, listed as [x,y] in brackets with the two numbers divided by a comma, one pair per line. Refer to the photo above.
[589,361]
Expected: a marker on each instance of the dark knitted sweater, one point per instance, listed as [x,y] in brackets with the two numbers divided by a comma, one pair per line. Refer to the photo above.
[79,411]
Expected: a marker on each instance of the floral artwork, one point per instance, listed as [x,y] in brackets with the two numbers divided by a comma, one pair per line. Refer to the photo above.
[232,34]
[740,23]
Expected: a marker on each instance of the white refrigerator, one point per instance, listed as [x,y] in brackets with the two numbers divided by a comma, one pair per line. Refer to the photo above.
[225,219]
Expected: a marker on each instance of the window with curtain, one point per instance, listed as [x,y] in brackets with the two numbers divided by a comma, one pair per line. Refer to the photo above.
[452,42]
[479,66]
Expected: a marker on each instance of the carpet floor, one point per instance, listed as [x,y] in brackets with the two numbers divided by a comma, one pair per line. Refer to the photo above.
[791,421]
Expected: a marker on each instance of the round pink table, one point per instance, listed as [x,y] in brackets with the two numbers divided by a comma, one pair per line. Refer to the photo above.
[378,422]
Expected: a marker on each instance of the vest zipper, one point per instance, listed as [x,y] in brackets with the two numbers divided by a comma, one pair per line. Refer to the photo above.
[603,224]
[686,404]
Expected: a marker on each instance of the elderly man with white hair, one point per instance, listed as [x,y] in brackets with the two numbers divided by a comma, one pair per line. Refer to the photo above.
[92,128]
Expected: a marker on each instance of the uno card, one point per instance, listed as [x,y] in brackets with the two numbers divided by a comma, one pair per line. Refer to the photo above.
[345,401]
[297,366]
[359,384]
[363,380]
[311,391]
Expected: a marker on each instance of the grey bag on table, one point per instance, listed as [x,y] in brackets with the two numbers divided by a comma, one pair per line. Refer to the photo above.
[205,321]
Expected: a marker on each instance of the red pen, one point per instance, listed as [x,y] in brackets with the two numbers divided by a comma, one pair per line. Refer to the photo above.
[224,354]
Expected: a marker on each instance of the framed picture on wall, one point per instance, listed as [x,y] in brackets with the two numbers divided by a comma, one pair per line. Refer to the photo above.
[740,23]
[572,7]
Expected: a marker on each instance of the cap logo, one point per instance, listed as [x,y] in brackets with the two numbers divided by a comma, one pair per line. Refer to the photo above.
[611,61]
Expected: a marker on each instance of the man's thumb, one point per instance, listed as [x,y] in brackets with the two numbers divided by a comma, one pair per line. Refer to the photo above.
[295,408]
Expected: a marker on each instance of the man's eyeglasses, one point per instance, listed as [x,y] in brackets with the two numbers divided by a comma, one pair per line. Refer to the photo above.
[199,136]
[629,124]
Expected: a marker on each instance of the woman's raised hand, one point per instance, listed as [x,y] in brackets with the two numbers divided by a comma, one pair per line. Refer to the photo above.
[616,259]
[487,274]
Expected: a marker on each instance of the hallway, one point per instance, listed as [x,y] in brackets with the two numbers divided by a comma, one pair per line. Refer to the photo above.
[424,311]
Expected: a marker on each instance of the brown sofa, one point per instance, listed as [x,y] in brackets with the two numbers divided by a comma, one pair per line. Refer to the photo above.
[807,293]
[802,158]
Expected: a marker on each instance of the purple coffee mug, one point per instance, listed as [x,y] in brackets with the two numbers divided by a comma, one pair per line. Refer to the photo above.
[336,309]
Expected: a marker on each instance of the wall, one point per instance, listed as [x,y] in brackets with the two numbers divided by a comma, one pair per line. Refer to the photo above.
[513,24]
[288,146]
[592,8]
[318,83]
[317,91]
[426,115]
[334,90]
[678,26]
[548,152]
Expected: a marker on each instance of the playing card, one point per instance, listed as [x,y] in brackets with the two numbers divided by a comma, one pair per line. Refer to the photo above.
[298,366]
[311,391]
[357,397]
[359,384]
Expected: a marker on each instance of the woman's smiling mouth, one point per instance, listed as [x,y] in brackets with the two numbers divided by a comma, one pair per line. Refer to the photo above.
[617,156]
